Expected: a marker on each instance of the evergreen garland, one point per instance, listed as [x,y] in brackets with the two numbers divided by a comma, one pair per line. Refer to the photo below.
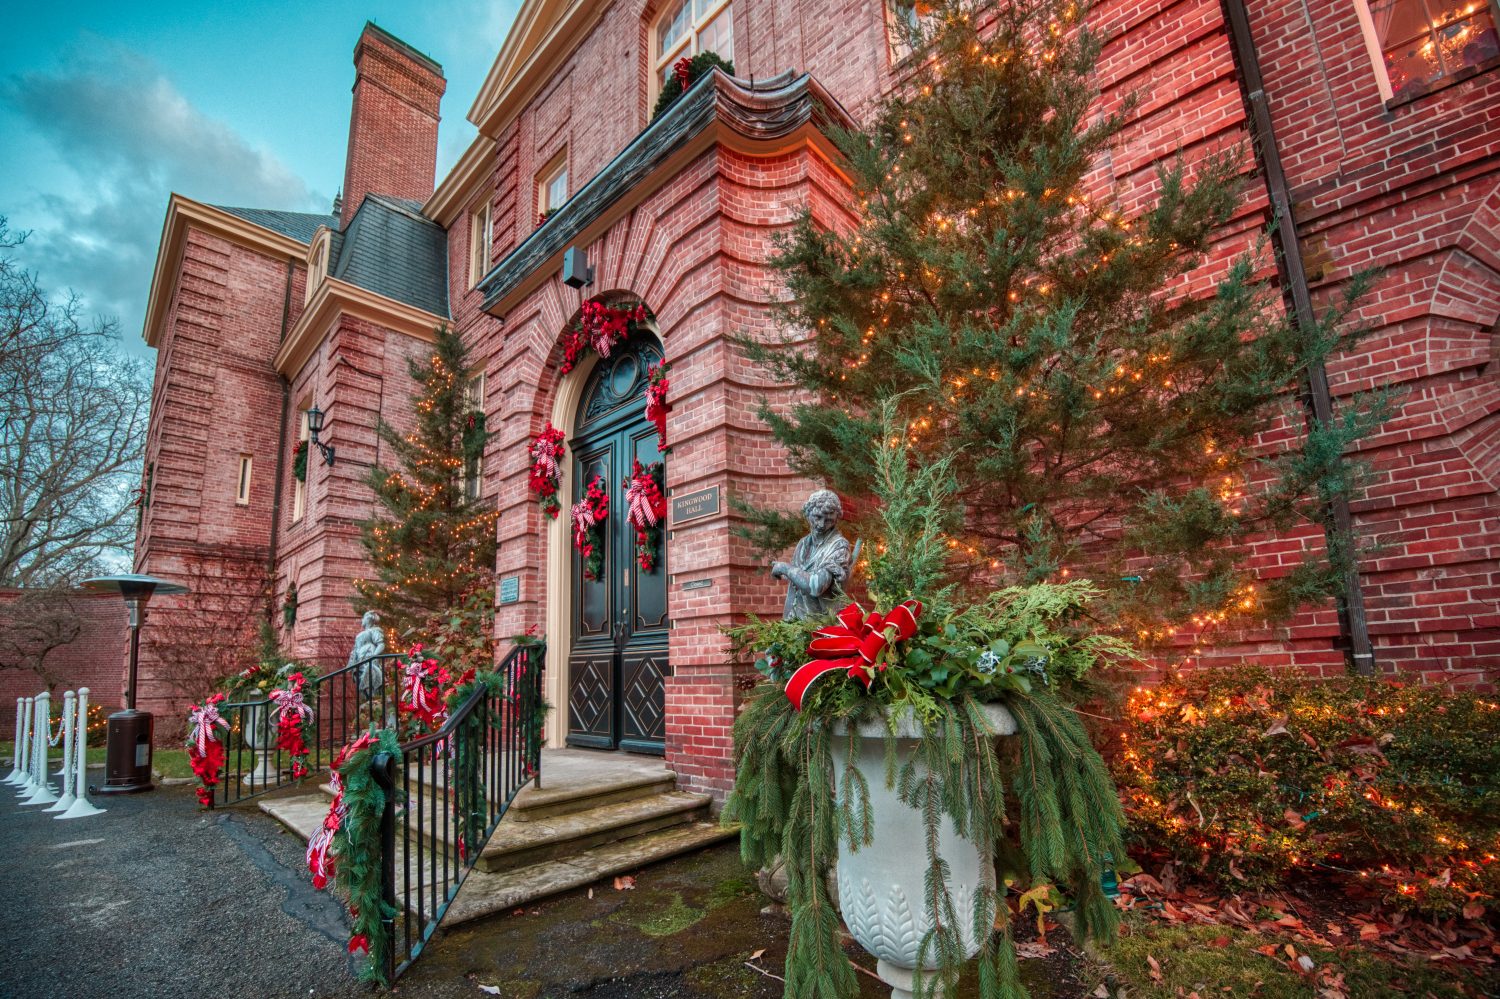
[674,86]
[357,846]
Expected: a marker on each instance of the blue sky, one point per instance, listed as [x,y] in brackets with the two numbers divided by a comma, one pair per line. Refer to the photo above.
[107,108]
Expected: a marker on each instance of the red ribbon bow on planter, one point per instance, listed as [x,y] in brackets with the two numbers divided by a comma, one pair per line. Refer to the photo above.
[864,635]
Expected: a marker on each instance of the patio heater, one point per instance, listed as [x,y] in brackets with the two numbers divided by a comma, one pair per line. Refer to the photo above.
[127,757]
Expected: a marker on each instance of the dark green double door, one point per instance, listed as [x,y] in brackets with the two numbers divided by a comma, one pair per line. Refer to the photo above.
[618,666]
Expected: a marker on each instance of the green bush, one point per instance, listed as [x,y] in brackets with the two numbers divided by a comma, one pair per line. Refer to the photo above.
[1247,774]
[697,66]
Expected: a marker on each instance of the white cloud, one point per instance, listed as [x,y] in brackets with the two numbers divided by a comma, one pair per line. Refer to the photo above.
[127,138]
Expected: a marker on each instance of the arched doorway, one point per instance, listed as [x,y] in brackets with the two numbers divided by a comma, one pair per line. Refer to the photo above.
[617,663]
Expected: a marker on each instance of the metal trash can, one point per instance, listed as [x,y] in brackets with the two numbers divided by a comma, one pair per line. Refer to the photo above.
[127,756]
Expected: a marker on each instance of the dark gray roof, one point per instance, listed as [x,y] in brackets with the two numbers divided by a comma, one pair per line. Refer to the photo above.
[390,248]
[297,225]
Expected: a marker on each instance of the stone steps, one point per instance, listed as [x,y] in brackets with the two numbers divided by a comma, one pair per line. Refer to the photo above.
[594,817]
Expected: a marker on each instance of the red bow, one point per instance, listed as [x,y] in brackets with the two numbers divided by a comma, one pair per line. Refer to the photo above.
[864,635]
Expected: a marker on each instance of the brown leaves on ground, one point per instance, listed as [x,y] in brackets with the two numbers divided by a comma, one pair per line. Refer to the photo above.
[1469,941]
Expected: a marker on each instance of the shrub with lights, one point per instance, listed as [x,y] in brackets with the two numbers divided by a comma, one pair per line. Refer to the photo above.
[1249,775]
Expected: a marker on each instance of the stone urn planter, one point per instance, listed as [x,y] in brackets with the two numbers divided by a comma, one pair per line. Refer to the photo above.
[258,728]
[881,885]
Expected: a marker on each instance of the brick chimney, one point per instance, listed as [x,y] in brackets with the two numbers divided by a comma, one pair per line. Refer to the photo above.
[393,125]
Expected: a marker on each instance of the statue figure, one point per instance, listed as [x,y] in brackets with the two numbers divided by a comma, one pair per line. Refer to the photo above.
[820,563]
[369,642]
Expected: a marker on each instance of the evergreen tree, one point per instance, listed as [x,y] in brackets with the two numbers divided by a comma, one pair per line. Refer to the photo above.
[1034,328]
[431,546]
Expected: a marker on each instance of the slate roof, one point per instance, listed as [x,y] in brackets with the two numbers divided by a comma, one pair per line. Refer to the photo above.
[390,248]
[300,226]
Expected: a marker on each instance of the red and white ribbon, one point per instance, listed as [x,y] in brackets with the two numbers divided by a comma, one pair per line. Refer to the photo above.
[201,724]
[289,701]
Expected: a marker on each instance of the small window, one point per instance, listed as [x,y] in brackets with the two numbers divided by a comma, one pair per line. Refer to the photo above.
[904,18]
[552,187]
[1416,43]
[473,473]
[242,490]
[480,237]
[317,262]
[299,486]
[688,27]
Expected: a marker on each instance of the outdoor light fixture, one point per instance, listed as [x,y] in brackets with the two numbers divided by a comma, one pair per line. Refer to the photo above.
[315,427]
[127,766]
[576,271]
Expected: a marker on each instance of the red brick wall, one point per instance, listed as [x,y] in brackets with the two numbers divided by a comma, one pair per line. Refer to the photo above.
[216,397]
[393,124]
[93,660]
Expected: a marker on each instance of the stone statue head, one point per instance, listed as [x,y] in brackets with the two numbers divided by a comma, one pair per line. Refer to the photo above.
[370,620]
[823,510]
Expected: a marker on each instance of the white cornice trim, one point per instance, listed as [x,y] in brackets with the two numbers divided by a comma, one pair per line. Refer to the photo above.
[335,298]
[452,195]
[183,213]
[543,34]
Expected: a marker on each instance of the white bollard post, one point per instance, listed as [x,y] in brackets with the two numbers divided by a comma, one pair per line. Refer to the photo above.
[81,807]
[43,795]
[15,764]
[69,722]
[28,744]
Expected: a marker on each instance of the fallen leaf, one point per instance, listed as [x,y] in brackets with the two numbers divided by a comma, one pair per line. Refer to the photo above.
[1307,964]
[624,883]
[1369,931]
[1474,910]
[1219,942]
[1034,948]
[1155,968]
[1269,950]
[493,990]
[1277,728]
[1293,819]
[591,893]
[757,955]
[1102,992]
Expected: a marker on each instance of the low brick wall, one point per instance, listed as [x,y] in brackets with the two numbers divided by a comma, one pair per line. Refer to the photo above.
[94,659]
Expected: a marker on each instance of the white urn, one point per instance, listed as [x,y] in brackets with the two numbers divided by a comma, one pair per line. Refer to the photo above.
[260,735]
[881,884]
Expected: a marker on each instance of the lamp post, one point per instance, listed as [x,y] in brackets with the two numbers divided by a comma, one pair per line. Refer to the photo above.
[128,754]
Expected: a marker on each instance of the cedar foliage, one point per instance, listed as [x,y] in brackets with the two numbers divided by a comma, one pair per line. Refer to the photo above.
[431,547]
[1034,328]
[1044,796]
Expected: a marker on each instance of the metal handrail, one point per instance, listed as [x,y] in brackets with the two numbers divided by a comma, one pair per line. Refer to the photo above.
[453,788]
[341,710]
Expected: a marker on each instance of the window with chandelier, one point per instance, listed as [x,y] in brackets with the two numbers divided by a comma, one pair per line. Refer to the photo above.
[1415,44]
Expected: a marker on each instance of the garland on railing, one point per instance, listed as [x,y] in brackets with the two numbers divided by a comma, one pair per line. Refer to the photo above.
[657,406]
[589,515]
[347,847]
[646,510]
[292,715]
[546,451]
[204,747]
[599,328]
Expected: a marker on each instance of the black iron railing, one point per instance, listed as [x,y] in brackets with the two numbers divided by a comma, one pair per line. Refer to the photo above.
[344,703]
[448,792]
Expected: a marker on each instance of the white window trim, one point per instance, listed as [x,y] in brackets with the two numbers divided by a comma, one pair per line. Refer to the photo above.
[242,484]
[473,400]
[481,238]
[299,486]
[317,261]
[557,166]
[686,45]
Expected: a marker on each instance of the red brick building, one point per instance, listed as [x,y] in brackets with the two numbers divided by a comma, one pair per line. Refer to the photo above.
[1378,128]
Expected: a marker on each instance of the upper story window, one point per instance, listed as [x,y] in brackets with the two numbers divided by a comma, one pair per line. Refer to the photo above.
[687,27]
[299,486]
[242,485]
[317,261]
[471,479]
[481,234]
[1416,43]
[552,186]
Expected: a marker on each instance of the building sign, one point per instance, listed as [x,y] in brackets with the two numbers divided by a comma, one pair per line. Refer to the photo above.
[691,506]
[510,589]
[697,584]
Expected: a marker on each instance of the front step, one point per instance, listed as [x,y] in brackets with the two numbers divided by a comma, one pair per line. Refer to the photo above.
[484,893]
[521,844]
[564,793]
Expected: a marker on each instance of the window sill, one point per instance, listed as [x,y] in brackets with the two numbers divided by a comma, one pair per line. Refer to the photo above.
[1462,76]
